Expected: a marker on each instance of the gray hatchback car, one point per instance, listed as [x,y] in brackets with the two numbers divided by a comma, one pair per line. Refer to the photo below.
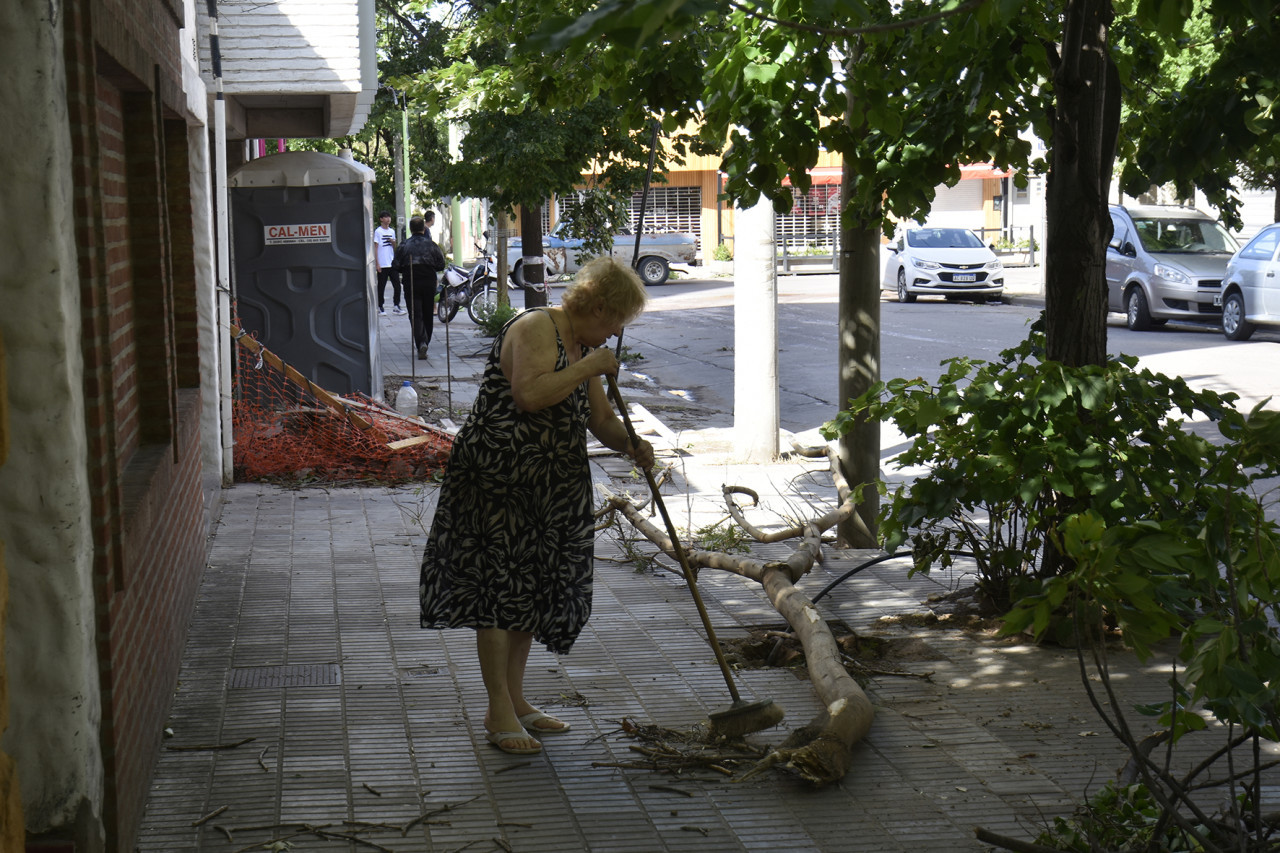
[1166,263]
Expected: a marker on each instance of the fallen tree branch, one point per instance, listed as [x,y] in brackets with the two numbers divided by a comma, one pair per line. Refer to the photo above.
[827,754]
[741,520]
[738,565]
[202,747]
[1007,843]
[820,752]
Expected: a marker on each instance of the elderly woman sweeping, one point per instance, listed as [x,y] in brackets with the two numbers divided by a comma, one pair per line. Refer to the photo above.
[510,549]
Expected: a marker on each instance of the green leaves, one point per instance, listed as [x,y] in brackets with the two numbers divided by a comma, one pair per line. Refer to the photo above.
[1203,114]
[1151,526]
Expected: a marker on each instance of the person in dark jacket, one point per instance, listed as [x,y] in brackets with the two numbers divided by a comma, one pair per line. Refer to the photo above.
[418,260]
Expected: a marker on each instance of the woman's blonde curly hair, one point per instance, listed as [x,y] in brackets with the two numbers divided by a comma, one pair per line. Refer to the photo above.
[607,283]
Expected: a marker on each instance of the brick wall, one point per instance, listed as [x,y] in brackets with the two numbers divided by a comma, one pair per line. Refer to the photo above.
[119,283]
[164,557]
[134,235]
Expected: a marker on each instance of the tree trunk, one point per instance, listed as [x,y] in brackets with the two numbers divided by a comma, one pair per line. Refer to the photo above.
[532,265]
[503,272]
[859,359]
[858,352]
[1086,119]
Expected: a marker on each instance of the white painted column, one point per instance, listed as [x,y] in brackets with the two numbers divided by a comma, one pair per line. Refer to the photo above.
[755,334]
[223,240]
[55,704]
[211,334]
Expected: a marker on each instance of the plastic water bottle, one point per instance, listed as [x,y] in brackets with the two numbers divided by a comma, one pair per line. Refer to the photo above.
[407,400]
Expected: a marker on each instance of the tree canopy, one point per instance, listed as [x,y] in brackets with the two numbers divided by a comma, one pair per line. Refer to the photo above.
[524,137]
[1209,115]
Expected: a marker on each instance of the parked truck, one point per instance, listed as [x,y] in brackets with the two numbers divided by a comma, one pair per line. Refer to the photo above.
[657,253]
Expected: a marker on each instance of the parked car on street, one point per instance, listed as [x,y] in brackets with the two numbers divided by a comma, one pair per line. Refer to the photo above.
[1166,262]
[657,253]
[1251,287]
[950,262]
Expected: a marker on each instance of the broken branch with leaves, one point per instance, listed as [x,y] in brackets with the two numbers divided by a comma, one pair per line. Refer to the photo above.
[821,751]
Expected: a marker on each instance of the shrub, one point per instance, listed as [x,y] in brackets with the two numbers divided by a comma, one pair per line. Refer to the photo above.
[721,253]
[1016,447]
[493,319]
[1092,508]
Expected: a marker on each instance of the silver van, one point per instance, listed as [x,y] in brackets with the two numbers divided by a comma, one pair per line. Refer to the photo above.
[1166,263]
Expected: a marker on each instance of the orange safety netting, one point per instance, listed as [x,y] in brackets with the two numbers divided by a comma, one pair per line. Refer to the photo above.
[288,428]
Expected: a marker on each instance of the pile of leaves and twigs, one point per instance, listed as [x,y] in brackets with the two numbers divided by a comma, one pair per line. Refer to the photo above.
[684,752]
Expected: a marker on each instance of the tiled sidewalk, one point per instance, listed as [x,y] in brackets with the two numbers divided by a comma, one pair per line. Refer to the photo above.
[306,642]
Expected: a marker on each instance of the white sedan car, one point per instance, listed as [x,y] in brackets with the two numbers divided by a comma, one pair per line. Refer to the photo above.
[1251,286]
[950,262]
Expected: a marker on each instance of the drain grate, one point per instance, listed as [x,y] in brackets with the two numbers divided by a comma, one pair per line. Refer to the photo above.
[306,675]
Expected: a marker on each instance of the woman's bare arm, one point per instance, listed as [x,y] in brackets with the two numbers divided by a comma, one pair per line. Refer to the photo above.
[605,425]
[529,362]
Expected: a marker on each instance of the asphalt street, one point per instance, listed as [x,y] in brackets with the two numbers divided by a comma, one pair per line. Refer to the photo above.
[682,349]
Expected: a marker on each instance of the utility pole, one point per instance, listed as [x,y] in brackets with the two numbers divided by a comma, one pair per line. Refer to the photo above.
[756,410]
[403,170]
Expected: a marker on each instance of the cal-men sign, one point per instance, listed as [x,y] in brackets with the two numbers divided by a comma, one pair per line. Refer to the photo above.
[277,235]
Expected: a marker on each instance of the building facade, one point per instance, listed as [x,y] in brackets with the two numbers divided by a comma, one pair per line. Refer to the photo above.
[113,354]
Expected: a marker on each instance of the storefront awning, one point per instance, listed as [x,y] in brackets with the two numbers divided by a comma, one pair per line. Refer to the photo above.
[981,170]
[831,174]
[820,175]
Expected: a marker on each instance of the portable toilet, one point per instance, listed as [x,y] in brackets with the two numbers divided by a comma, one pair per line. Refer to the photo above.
[302,244]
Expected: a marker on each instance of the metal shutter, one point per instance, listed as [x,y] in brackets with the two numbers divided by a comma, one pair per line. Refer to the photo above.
[814,220]
[669,209]
[958,207]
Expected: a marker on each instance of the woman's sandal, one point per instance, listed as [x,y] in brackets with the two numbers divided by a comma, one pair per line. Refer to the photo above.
[498,738]
[530,719]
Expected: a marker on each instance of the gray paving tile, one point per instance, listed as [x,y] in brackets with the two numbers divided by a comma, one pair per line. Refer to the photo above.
[331,577]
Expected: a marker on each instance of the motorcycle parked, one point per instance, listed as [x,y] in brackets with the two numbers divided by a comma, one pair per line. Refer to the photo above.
[455,291]
[475,288]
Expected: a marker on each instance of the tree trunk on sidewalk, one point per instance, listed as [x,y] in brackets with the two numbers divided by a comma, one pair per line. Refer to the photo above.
[533,265]
[1086,120]
[859,353]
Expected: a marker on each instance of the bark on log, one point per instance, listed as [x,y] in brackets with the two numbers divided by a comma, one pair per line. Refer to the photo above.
[756,533]
[824,753]
[849,712]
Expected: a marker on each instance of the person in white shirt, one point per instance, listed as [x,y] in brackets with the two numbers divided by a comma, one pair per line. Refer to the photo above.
[384,245]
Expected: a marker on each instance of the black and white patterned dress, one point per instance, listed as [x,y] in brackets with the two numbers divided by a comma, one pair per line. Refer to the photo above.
[512,539]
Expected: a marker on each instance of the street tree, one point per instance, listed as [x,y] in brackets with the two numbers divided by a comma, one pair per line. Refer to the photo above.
[518,145]
[899,91]
[1210,119]
[407,40]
